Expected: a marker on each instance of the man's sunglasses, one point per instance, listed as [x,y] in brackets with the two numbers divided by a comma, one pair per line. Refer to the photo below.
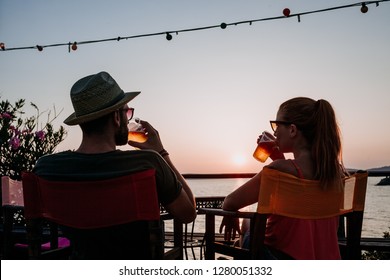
[129,113]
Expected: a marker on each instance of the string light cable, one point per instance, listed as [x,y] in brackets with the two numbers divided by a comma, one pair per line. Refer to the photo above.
[286,13]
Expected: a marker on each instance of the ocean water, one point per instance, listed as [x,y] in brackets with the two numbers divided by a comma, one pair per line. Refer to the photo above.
[376,213]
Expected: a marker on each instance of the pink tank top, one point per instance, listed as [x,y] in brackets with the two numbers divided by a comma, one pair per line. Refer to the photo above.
[303,239]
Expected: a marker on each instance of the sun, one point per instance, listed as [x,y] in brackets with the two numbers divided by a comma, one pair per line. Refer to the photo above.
[239,159]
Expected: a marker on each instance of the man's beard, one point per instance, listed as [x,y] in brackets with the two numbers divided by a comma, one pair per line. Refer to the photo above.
[122,134]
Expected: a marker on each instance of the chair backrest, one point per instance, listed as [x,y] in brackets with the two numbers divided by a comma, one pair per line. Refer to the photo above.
[286,195]
[90,211]
[11,192]
[359,190]
[353,221]
[14,230]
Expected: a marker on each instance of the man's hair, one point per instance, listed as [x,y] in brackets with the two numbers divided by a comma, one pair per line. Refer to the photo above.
[96,126]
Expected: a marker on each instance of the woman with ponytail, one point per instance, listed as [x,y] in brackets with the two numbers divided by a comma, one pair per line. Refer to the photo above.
[308,129]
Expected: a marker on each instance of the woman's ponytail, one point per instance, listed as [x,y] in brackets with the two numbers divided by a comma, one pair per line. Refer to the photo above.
[326,148]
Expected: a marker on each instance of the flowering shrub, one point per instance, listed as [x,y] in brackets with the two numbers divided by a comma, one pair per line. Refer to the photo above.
[23,141]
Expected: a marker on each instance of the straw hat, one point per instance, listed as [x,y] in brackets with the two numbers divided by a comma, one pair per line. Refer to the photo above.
[95,96]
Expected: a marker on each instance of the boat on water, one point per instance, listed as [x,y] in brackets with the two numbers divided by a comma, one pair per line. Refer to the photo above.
[384,182]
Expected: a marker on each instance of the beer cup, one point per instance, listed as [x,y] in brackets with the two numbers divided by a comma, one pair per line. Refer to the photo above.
[136,132]
[265,146]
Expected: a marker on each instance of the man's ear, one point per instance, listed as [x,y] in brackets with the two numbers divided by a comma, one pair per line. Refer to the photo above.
[293,130]
[117,118]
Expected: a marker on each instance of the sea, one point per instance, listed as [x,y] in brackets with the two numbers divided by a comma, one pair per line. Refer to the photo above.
[376,214]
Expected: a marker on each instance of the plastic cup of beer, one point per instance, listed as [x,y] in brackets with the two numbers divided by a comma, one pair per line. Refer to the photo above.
[137,132]
[265,146]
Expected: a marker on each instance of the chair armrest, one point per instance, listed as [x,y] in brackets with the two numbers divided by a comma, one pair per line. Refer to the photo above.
[210,214]
[166,216]
[224,213]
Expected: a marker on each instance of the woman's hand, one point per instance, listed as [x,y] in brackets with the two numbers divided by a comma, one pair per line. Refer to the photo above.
[232,228]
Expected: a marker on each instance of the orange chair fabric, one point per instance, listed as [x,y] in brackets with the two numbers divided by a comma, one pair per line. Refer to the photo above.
[286,195]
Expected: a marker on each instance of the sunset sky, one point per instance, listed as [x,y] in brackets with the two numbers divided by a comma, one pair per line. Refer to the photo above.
[210,93]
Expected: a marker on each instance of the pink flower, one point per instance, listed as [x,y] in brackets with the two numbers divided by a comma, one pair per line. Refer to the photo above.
[6,115]
[12,128]
[17,131]
[40,134]
[26,131]
[14,142]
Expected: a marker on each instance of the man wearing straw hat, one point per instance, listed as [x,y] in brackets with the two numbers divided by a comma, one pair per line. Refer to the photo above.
[102,113]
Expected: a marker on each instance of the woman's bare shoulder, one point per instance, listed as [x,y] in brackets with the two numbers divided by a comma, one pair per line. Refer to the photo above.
[283,165]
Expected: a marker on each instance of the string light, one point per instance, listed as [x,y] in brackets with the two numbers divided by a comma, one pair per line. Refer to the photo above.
[74,46]
[286,12]
[223,25]
[364,8]
[169,36]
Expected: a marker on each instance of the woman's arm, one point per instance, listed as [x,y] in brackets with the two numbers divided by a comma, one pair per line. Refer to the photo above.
[245,195]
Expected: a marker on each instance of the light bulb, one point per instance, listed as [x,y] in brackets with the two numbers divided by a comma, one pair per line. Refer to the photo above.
[74,46]
[286,12]
[364,8]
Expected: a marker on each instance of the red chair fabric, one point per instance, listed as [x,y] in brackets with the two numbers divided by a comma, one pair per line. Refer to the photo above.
[116,218]
[92,204]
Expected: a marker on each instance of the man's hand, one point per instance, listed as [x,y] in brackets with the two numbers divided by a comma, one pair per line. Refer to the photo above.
[153,142]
